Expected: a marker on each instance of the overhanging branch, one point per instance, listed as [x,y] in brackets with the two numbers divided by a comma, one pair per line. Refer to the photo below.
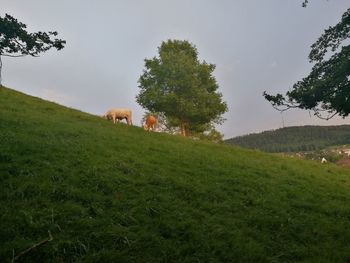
[279,103]
[315,110]
[14,56]
[330,116]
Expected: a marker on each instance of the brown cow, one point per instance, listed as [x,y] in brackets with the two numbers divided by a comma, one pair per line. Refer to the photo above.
[150,123]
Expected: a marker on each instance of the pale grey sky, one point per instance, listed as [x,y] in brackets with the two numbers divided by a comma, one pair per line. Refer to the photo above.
[256,46]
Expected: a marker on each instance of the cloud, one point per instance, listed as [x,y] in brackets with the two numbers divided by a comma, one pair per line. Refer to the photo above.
[273,64]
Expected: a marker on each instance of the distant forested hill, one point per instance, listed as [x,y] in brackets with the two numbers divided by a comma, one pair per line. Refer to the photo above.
[293,139]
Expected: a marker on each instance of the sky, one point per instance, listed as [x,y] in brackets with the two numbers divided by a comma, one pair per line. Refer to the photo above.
[256,46]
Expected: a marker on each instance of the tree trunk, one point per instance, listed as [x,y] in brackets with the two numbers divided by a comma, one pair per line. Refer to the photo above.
[0,71]
[184,128]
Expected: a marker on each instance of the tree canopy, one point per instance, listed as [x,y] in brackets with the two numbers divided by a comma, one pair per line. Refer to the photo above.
[181,88]
[326,90]
[15,41]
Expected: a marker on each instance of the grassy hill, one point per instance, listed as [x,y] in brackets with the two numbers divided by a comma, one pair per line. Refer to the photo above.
[294,139]
[113,193]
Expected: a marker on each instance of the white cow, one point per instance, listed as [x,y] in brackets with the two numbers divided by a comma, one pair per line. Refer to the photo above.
[116,114]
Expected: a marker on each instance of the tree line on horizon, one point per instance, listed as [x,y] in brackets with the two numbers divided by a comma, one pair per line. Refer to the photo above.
[295,139]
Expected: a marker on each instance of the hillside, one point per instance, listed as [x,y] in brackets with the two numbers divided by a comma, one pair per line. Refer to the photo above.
[294,139]
[113,193]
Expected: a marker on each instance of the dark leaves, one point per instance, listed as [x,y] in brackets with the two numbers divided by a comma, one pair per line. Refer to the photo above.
[15,41]
[326,90]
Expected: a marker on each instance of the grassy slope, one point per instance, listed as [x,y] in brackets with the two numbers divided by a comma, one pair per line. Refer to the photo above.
[112,193]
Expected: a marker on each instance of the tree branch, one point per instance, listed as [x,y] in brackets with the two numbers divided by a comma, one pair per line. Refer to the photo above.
[325,118]
[33,247]
[18,43]
[13,56]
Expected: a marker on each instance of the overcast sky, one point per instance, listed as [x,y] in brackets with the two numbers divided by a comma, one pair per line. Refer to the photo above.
[256,45]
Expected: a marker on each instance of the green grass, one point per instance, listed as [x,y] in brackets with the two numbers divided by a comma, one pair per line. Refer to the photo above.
[113,193]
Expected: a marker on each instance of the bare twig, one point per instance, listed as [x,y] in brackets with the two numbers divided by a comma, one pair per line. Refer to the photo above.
[12,56]
[33,247]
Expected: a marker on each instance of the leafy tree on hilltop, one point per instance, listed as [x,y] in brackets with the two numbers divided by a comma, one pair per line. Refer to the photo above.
[15,41]
[326,90]
[182,88]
